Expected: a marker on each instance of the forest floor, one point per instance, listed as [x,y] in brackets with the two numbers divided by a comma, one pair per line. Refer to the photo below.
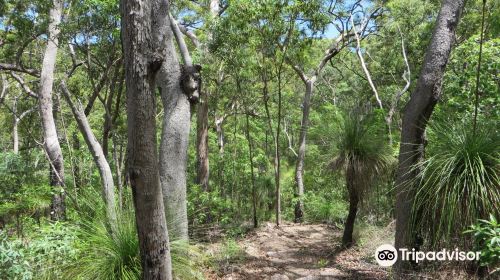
[301,251]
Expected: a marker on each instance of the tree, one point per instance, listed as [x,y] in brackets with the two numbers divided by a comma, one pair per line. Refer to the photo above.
[145,27]
[418,111]
[51,142]
[362,153]
[108,186]
[179,88]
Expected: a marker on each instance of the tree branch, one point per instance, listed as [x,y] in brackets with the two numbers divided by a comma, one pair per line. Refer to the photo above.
[363,65]
[17,68]
[180,41]
[23,84]
[406,76]
[194,39]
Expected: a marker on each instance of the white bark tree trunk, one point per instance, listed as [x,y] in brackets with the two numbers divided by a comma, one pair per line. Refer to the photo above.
[51,142]
[108,187]
[174,143]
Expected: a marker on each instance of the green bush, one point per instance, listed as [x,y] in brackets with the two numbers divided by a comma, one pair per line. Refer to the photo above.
[43,255]
[325,208]
[487,240]
[116,256]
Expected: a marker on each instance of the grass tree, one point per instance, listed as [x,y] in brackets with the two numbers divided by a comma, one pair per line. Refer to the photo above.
[458,182]
[362,152]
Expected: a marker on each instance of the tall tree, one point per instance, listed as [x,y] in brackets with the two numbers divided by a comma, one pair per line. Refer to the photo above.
[202,163]
[309,80]
[179,88]
[145,39]
[51,142]
[108,186]
[418,111]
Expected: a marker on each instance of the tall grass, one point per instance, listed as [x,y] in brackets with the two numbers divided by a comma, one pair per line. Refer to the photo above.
[113,256]
[458,182]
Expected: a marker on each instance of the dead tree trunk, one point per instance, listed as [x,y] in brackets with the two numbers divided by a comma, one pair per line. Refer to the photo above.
[417,113]
[51,142]
[144,36]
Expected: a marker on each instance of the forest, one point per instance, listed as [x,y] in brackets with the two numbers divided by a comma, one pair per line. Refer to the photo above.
[249,139]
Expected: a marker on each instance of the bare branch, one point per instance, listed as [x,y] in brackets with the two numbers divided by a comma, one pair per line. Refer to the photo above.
[297,70]
[23,84]
[289,139]
[194,39]
[25,113]
[406,76]
[74,61]
[363,65]
[17,68]
[180,41]
[5,86]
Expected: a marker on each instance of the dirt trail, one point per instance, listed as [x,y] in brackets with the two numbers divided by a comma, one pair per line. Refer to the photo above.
[306,252]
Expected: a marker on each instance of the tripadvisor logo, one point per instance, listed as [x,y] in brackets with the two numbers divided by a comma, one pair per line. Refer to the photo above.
[386,255]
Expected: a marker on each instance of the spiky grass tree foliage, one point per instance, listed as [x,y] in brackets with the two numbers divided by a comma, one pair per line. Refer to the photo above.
[458,181]
[362,153]
[116,256]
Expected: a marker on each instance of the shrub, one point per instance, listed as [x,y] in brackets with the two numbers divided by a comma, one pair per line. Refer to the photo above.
[487,240]
[458,182]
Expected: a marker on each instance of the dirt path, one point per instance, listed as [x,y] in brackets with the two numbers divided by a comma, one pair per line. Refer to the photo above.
[305,252]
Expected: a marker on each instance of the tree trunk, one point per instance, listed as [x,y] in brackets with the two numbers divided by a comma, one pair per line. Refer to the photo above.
[108,118]
[254,191]
[299,169]
[76,163]
[15,136]
[108,187]
[144,26]
[174,143]
[202,163]
[417,113]
[117,158]
[15,125]
[51,142]
[347,239]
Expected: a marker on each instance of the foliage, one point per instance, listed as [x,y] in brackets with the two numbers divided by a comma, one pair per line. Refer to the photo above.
[103,255]
[44,256]
[487,240]
[460,80]
[458,181]
[229,252]
[328,207]
[361,146]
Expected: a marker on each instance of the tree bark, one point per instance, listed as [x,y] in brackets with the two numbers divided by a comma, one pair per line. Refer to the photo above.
[51,142]
[108,187]
[299,169]
[202,162]
[347,239]
[254,191]
[417,113]
[144,37]
[174,142]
